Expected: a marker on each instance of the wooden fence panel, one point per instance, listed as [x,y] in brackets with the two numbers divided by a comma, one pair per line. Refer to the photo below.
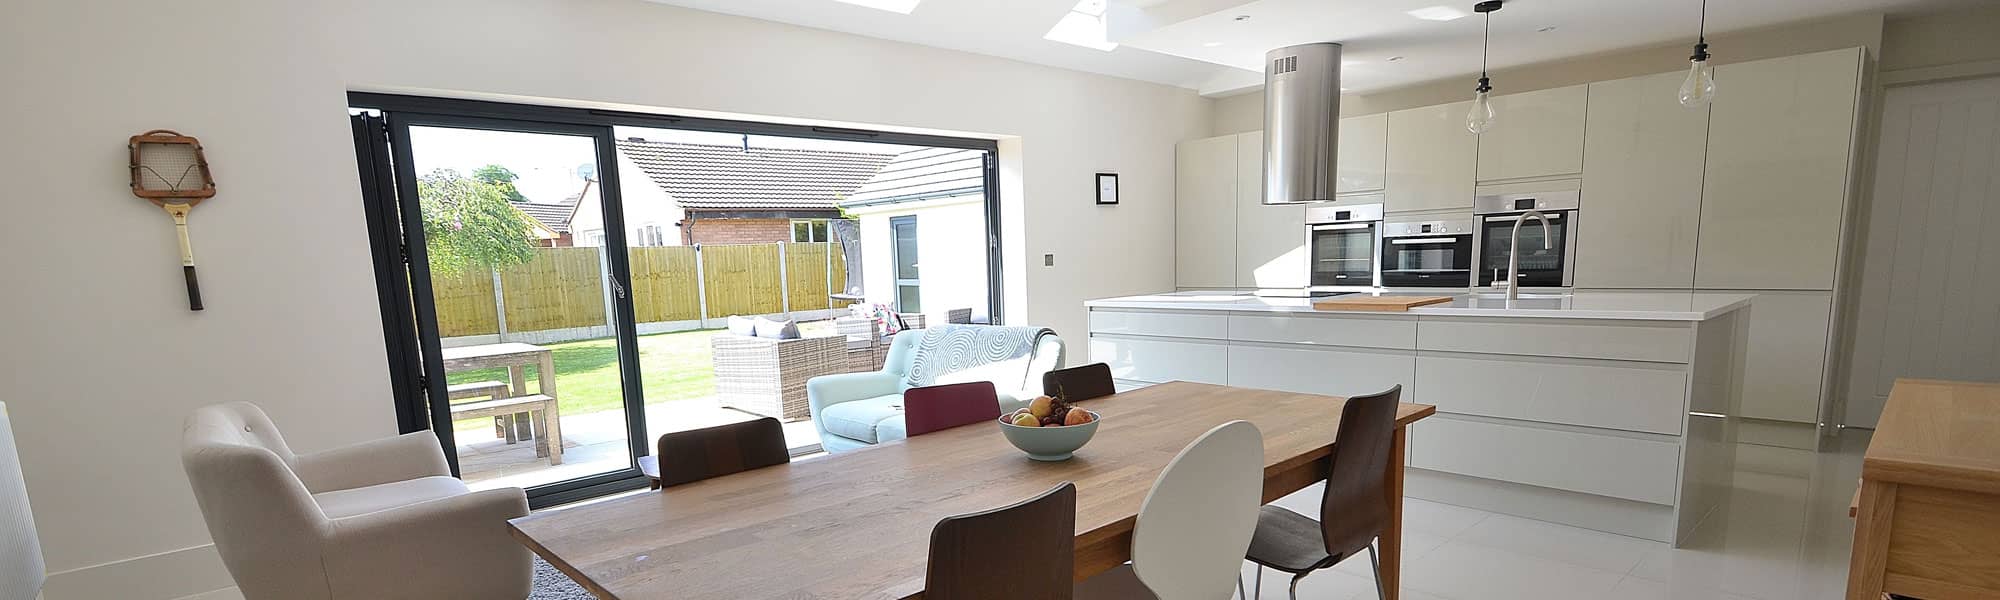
[560,288]
[663,284]
[742,279]
[805,275]
[465,303]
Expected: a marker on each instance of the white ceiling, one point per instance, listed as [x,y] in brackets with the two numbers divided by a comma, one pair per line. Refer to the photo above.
[1201,44]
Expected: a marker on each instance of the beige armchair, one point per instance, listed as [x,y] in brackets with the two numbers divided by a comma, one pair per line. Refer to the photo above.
[376,520]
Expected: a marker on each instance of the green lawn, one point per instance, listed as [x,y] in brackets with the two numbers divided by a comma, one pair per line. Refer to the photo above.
[672,366]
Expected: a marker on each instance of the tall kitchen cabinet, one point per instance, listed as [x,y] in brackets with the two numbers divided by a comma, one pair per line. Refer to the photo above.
[1362,163]
[1431,159]
[1642,173]
[1539,136]
[1774,195]
[1225,236]
[1270,238]
[1205,213]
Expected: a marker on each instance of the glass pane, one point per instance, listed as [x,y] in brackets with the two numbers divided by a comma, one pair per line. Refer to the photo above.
[529,341]
[906,248]
[909,299]
[818,231]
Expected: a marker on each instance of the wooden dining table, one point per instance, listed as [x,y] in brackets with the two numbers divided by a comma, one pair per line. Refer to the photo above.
[858,524]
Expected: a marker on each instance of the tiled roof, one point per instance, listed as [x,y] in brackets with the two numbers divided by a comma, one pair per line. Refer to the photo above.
[924,174]
[712,177]
[555,216]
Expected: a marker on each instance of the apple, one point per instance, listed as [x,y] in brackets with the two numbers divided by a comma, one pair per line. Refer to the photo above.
[1027,421]
[1042,406]
[1076,416]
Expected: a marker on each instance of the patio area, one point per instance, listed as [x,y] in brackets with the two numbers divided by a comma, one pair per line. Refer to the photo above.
[595,443]
[678,381]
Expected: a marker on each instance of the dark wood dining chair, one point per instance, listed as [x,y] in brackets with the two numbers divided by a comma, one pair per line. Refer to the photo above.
[1027,550]
[931,408]
[1079,383]
[1353,511]
[697,454]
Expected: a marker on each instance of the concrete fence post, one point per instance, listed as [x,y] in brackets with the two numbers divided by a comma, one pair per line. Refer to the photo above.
[701,286]
[784,283]
[499,305]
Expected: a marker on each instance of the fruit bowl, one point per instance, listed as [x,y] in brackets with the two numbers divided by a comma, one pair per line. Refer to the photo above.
[1054,442]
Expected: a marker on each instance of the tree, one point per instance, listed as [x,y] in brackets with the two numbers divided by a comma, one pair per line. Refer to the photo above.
[468,223]
[500,177]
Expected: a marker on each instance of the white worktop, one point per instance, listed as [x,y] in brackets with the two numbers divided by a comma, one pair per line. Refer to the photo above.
[1651,306]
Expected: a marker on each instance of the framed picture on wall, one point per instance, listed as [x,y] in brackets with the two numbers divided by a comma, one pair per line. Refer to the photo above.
[1107,188]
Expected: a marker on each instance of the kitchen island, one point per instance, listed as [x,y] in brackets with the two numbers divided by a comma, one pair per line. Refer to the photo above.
[1605,410]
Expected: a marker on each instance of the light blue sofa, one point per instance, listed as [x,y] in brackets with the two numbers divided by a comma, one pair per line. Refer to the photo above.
[854,410]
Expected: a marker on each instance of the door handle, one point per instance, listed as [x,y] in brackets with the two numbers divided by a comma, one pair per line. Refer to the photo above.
[618,288]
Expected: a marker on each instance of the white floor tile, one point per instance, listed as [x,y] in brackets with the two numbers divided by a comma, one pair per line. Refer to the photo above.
[1437,519]
[1471,571]
[1581,547]
[1633,588]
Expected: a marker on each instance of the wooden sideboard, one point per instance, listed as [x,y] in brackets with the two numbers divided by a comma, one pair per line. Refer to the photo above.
[1927,520]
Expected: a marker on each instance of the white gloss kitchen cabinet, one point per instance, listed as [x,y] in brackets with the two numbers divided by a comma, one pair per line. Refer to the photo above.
[1205,212]
[1361,166]
[1539,135]
[1225,236]
[1431,159]
[1642,168]
[1270,238]
[1780,142]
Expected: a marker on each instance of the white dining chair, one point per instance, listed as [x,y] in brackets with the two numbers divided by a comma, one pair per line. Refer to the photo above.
[1195,525]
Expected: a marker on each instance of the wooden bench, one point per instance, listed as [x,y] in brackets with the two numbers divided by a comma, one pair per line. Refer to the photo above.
[543,409]
[504,426]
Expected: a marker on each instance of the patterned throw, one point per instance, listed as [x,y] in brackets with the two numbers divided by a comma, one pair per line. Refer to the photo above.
[961,353]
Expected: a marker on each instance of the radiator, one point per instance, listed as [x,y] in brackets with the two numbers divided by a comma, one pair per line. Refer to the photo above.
[21,568]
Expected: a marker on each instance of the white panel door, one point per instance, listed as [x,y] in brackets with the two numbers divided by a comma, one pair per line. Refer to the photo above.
[1930,270]
[1642,165]
[1780,136]
[1432,159]
[1205,212]
[1270,238]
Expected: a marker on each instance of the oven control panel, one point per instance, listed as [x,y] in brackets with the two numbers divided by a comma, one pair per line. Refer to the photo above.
[1445,227]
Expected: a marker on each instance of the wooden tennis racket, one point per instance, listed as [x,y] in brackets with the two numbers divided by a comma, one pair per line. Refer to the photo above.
[169,170]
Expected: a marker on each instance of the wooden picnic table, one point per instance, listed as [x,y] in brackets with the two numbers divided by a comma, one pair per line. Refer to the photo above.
[516,357]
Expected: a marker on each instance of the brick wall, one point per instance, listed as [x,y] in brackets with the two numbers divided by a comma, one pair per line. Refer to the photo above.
[737,231]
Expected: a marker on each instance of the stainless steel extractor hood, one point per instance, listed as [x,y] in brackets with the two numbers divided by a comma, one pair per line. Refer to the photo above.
[1301,122]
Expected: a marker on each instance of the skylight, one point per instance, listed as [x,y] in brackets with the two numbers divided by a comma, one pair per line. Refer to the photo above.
[1437,13]
[894,6]
[1083,26]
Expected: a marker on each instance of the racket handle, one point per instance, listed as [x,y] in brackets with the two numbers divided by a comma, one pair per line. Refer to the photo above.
[194,288]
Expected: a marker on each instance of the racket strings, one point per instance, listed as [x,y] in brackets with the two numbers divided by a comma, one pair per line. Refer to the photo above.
[159,160]
[174,185]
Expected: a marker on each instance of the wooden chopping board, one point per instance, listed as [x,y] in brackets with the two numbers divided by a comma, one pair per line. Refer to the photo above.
[1378,303]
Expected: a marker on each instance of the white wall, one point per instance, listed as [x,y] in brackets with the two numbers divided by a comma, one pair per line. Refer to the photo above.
[102,359]
[951,254]
[644,204]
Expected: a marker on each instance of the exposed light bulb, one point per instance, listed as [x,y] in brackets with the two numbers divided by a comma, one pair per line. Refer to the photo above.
[1699,87]
[1482,116]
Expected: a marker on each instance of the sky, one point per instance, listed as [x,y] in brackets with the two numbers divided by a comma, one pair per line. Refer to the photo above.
[548,163]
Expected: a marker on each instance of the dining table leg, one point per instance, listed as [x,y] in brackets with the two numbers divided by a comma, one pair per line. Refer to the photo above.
[551,433]
[1391,564]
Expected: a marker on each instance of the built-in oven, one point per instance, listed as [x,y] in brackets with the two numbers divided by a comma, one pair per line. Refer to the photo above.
[1433,253]
[1548,255]
[1340,243]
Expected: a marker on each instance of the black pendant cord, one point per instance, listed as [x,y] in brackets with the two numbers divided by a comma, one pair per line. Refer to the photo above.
[1701,35]
[1486,42]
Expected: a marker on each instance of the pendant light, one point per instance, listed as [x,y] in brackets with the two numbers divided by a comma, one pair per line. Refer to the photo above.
[1481,117]
[1699,87]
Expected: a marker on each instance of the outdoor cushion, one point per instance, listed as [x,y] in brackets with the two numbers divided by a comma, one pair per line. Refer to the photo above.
[364,500]
[777,330]
[974,353]
[743,326]
[858,419]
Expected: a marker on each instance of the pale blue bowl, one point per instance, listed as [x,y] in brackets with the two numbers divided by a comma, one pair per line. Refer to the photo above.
[1051,443]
